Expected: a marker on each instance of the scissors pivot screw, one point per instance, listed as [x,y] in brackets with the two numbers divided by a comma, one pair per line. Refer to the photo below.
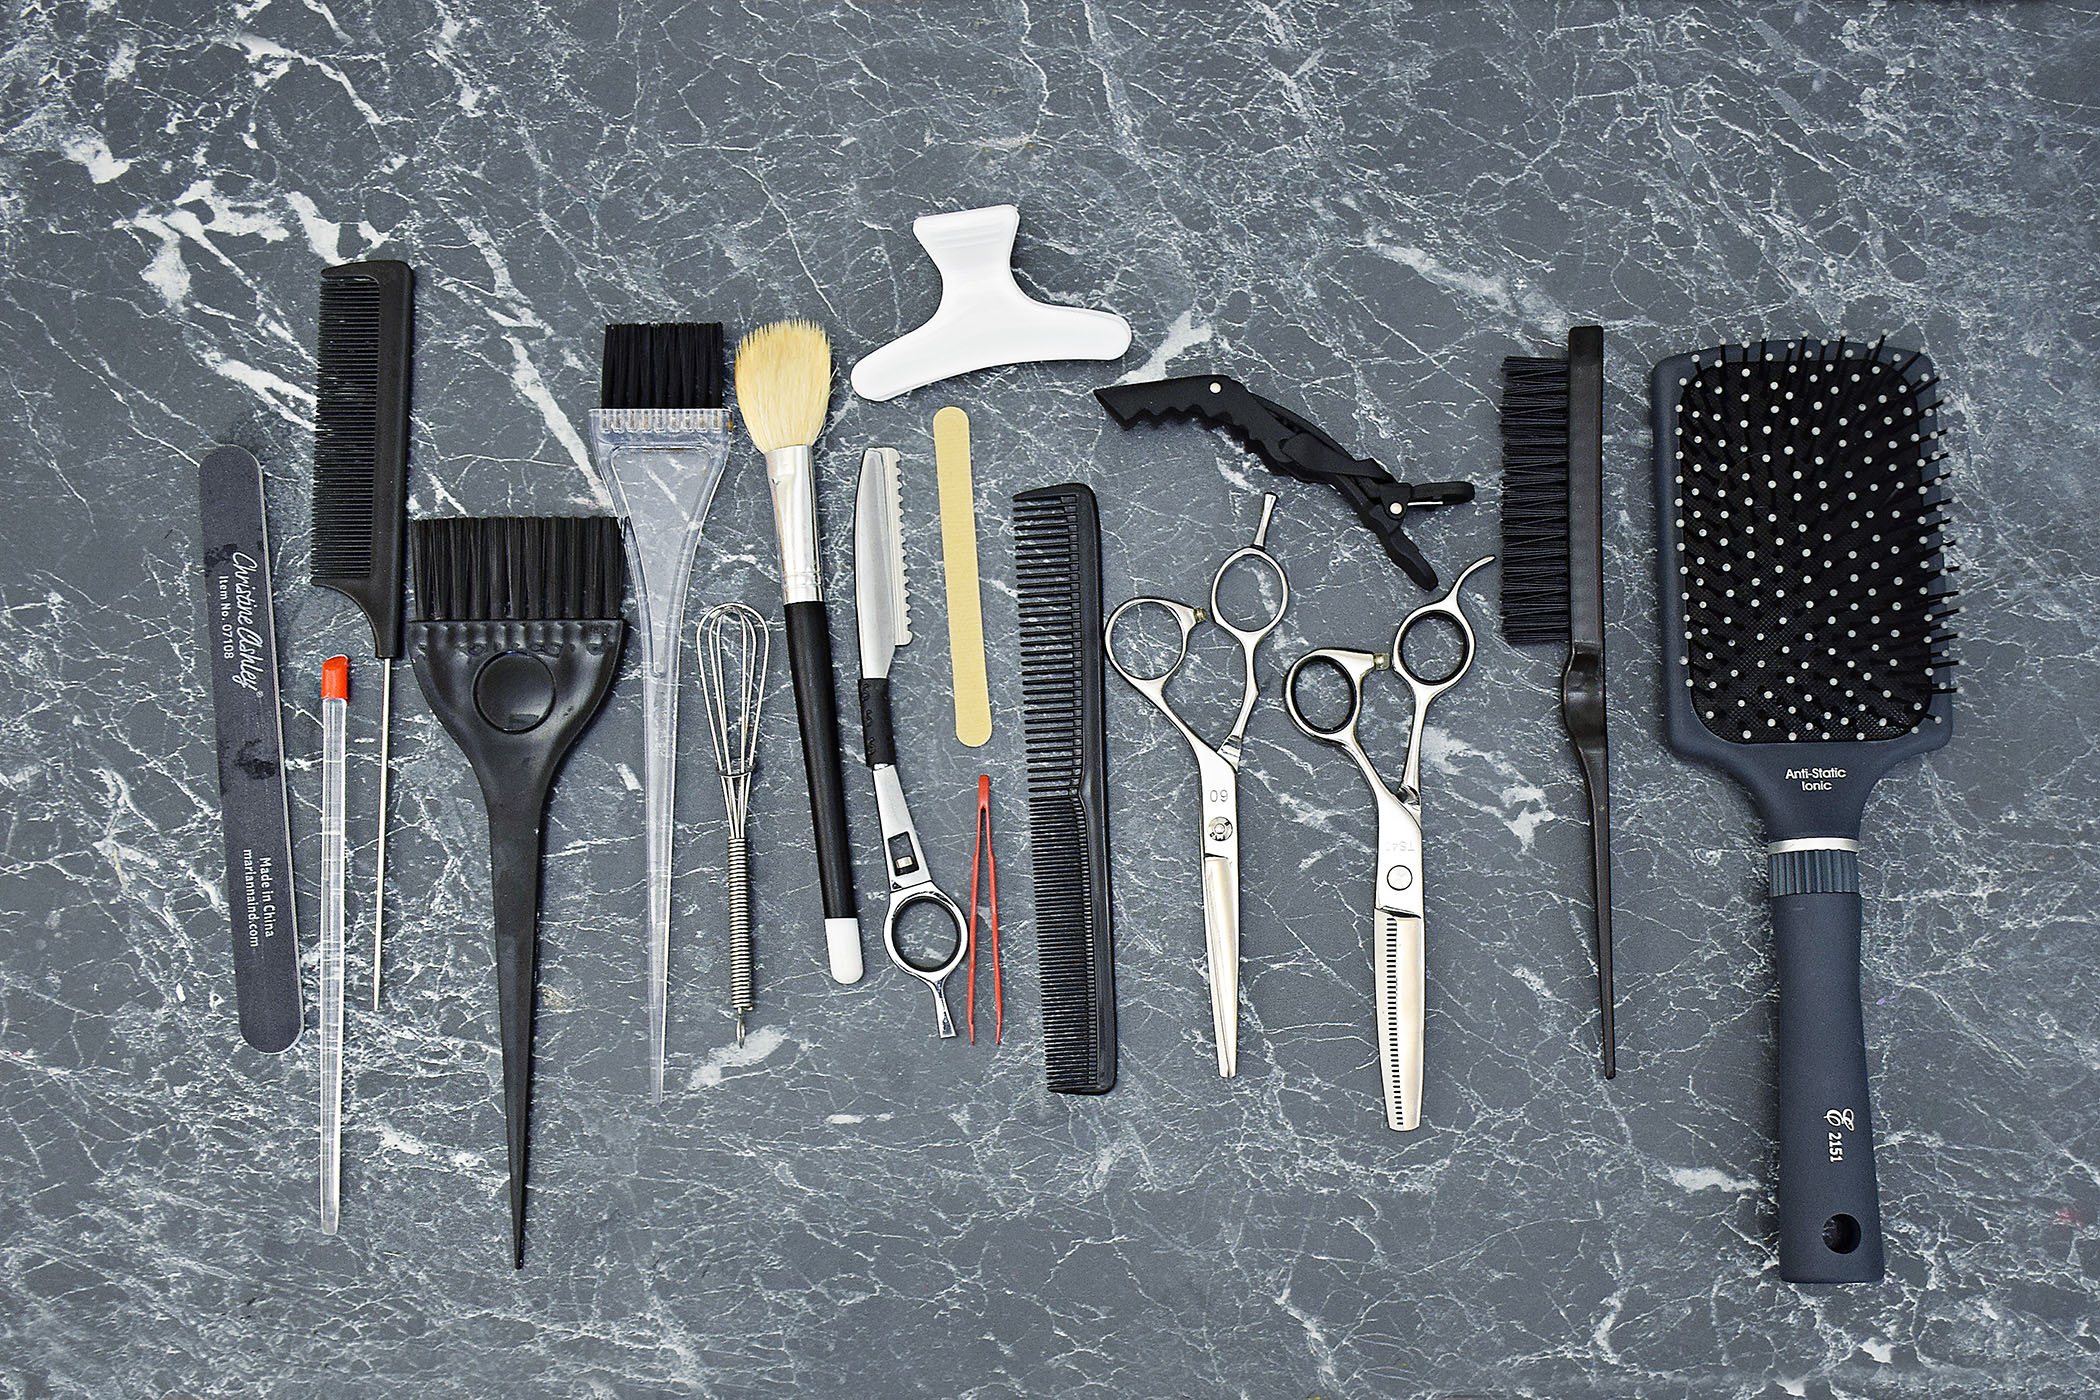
[1220,828]
[1399,877]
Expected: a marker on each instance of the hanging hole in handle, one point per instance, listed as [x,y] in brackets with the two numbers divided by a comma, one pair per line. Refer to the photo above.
[1433,648]
[1147,631]
[1250,592]
[927,936]
[1841,1234]
[1337,695]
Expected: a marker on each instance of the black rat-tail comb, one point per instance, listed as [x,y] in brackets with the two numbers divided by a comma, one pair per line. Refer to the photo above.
[516,639]
[364,348]
[1807,609]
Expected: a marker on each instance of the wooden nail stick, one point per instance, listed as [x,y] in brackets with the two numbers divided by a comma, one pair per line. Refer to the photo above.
[951,461]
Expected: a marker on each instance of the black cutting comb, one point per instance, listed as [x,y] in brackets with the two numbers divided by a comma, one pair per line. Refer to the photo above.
[1057,567]
[361,440]
[1807,604]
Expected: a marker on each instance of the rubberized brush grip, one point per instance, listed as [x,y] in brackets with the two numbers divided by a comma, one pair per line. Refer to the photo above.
[1829,1205]
[816,709]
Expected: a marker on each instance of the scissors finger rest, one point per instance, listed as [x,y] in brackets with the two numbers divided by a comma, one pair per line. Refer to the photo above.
[934,975]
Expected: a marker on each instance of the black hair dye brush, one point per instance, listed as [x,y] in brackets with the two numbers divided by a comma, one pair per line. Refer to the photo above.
[1553,577]
[516,639]
[1807,607]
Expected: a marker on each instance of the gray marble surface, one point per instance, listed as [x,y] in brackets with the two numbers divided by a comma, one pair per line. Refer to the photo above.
[1360,208]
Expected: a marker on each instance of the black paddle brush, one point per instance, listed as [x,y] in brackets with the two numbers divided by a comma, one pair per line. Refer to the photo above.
[1807,604]
[516,640]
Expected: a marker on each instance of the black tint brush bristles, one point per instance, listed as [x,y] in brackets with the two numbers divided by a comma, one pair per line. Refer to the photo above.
[1807,635]
[672,365]
[1553,580]
[519,568]
[1057,568]
[516,640]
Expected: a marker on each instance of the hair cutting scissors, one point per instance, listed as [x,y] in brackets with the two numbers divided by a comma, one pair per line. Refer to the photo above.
[1398,960]
[1217,770]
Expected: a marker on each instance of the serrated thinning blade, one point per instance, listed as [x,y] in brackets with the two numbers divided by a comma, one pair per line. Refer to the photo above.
[900,596]
[883,618]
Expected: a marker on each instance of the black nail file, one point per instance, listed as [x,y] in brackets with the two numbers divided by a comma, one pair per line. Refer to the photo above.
[241,639]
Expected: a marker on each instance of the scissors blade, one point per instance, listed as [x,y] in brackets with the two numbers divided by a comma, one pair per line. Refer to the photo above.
[1400,991]
[1221,937]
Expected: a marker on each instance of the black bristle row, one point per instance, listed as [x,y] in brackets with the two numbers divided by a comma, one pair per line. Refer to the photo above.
[518,568]
[1535,466]
[1811,512]
[1057,566]
[674,365]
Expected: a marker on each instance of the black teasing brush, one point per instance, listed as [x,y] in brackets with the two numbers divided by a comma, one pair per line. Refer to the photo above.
[1057,569]
[672,365]
[361,440]
[1807,646]
[1553,582]
[516,640]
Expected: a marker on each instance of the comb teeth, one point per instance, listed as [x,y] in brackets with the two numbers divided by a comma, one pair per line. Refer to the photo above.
[361,440]
[1057,567]
[674,365]
[518,568]
[1810,512]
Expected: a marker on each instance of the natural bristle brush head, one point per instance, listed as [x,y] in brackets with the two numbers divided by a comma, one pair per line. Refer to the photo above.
[783,384]
[1809,513]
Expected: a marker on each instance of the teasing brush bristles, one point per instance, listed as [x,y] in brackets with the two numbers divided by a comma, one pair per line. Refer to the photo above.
[783,384]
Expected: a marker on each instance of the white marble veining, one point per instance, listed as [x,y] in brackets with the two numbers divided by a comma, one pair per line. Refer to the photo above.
[1358,209]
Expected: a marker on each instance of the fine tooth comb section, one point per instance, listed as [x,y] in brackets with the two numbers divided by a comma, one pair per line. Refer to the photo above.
[1057,565]
[361,440]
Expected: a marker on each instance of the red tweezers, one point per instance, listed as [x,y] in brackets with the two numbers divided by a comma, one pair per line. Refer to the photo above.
[982,856]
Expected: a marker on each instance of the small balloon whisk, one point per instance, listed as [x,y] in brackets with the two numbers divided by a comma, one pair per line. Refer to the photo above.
[734,644]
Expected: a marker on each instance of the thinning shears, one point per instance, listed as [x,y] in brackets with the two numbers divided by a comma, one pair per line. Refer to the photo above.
[1217,770]
[1398,970]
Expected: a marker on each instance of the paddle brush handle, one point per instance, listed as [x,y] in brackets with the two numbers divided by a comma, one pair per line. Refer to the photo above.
[1829,1205]
[816,711]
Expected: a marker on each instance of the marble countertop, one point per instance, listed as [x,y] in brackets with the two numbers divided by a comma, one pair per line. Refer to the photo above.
[1359,209]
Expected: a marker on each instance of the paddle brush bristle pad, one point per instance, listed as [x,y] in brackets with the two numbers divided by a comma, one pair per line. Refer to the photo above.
[1809,522]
